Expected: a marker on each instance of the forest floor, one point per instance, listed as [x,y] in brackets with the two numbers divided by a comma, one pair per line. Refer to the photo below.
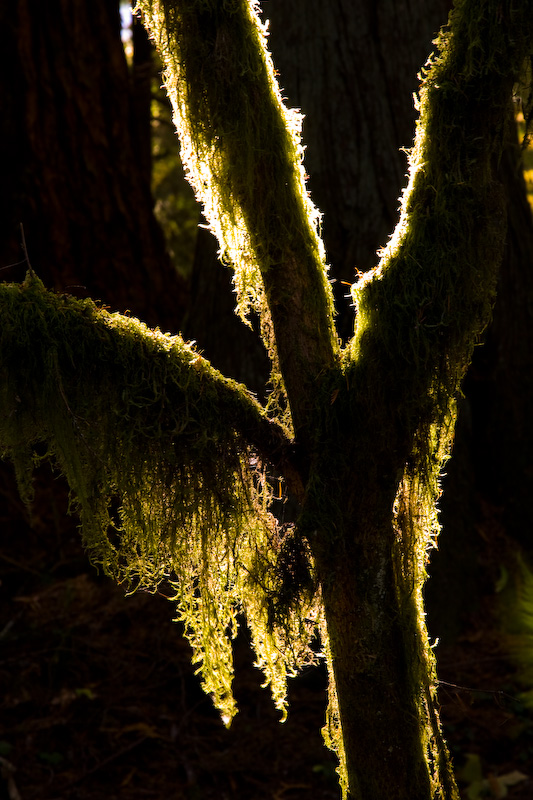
[98,698]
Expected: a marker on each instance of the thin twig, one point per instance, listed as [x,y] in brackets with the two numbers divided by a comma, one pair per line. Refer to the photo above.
[494,692]
[25,251]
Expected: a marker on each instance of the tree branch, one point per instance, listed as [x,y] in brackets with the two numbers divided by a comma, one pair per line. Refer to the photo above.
[57,354]
[244,156]
[420,313]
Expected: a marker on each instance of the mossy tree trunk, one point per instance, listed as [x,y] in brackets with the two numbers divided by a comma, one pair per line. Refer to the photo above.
[383,718]
[417,321]
[383,680]
[364,430]
[351,68]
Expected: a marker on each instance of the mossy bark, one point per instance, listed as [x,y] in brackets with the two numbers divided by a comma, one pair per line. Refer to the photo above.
[382,667]
[386,693]
[351,67]
[372,425]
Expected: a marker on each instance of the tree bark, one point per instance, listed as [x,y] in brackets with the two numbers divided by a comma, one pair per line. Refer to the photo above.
[352,69]
[500,386]
[71,161]
[233,348]
[390,729]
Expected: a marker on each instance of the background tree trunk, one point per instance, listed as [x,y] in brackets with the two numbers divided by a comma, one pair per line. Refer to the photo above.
[352,69]
[233,348]
[71,157]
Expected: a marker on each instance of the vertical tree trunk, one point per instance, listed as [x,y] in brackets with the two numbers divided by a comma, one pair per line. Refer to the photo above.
[71,157]
[501,380]
[379,654]
[384,681]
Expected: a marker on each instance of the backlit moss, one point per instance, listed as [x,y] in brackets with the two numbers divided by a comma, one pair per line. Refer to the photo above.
[155,445]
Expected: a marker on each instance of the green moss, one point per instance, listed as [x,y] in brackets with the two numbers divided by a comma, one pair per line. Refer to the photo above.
[242,149]
[155,446]
[422,310]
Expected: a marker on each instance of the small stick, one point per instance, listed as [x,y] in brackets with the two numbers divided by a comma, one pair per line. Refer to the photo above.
[25,251]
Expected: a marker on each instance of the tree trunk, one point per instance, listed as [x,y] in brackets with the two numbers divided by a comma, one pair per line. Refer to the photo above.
[384,678]
[70,161]
[501,380]
[382,668]
[352,69]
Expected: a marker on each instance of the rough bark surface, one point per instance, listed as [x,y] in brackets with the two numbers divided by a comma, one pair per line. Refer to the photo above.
[352,69]
[501,381]
[70,161]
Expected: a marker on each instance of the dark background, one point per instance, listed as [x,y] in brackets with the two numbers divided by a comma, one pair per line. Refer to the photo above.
[98,696]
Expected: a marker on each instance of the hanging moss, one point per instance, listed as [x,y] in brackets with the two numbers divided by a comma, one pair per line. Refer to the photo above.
[155,445]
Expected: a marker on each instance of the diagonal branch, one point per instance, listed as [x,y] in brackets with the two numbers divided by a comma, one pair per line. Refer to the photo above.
[421,312]
[244,158]
[164,458]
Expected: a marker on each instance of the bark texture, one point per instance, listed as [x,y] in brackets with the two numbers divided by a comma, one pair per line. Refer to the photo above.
[501,381]
[352,69]
[70,161]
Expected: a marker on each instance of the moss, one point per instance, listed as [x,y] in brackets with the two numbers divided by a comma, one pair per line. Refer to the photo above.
[164,456]
[422,310]
[155,446]
[243,154]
